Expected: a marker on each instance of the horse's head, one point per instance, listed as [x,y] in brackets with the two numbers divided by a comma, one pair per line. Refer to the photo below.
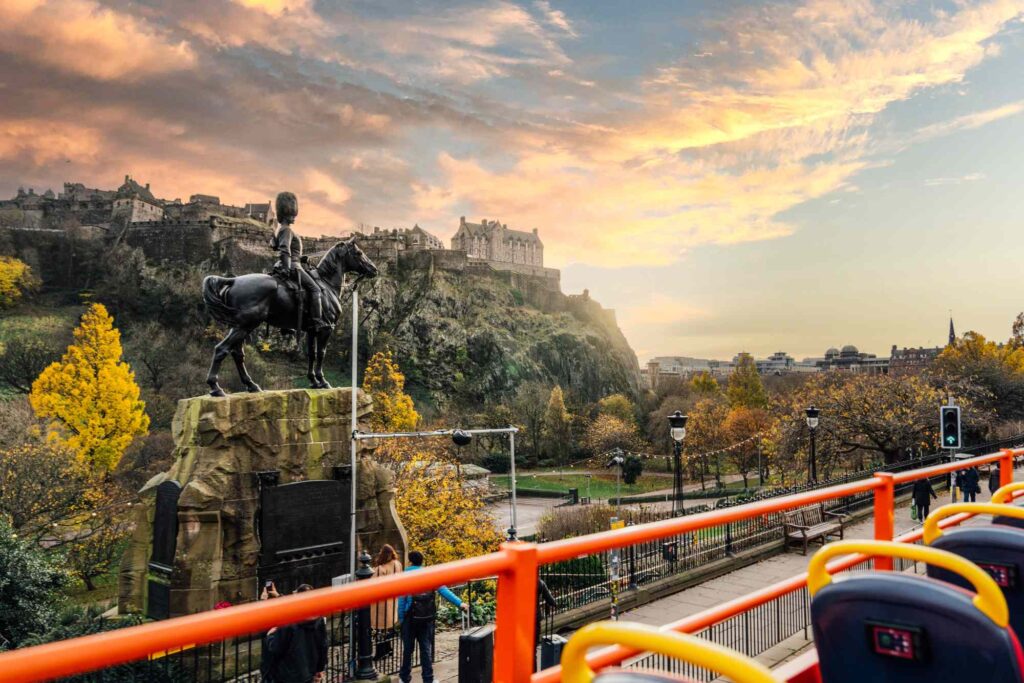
[347,257]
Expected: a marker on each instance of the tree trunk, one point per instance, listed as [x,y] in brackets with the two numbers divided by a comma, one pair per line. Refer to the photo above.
[89,586]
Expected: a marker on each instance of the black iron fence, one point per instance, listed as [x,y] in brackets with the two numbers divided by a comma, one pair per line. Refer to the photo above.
[600,577]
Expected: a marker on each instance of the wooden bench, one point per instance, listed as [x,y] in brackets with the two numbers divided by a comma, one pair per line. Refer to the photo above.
[811,523]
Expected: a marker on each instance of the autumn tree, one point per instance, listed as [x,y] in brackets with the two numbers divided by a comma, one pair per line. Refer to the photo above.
[393,409]
[444,518]
[745,387]
[529,405]
[704,384]
[745,427]
[42,486]
[617,405]
[997,368]
[878,414]
[16,279]
[607,432]
[90,397]
[705,432]
[557,426]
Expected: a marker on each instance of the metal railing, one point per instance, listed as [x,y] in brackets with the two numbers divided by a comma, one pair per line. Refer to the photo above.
[517,567]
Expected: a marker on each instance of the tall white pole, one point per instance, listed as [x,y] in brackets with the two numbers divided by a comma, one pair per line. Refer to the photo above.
[512,448]
[355,367]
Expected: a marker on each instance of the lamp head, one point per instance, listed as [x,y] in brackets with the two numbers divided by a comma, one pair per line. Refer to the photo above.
[812,417]
[461,438]
[677,426]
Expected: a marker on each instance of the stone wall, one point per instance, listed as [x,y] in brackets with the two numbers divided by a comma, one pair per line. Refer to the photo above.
[220,446]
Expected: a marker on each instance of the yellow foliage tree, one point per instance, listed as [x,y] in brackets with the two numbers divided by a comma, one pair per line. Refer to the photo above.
[393,409]
[15,279]
[90,397]
[444,519]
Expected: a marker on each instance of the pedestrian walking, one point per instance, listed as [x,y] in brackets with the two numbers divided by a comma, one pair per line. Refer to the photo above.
[993,479]
[922,495]
[418,614]
[969,487]
[384,615]
[296,653]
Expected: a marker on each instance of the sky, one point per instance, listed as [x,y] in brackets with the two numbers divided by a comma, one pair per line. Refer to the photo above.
[728,176]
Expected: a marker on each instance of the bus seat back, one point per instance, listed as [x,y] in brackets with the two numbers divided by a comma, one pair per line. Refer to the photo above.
[877,626]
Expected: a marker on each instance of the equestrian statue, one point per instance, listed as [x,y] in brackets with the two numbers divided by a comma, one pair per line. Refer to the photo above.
[295,296]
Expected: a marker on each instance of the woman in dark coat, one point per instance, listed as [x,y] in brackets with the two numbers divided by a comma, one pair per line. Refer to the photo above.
[968,481]
[923,494]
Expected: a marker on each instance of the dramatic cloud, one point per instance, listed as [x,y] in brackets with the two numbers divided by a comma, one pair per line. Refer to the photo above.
[389,113]
[85,38]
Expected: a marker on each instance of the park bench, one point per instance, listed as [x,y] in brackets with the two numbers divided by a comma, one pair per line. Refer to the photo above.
[811,523]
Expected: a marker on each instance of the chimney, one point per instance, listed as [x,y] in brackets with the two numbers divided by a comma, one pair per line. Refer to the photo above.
[462,220]
[535,231]
[483,222]
[126,177]
[147,186]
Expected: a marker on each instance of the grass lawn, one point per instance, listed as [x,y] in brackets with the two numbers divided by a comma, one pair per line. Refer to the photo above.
[601,486]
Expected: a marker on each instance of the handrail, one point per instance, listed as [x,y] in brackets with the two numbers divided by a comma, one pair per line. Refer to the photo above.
[515,564]
[931,524]
[557,551]
[725,661]
[66,657]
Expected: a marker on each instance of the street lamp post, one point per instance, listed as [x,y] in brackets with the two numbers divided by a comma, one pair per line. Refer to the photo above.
[617,462]
[812,425]
[677,430]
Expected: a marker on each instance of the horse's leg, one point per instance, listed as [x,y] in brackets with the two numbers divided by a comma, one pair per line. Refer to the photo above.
[238,353]
[220,352]
[322,336]
[311,358]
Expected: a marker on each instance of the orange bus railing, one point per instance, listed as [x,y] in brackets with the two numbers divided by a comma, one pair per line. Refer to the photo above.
[515,564]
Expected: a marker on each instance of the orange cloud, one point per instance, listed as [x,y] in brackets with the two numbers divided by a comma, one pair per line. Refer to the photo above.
[87,39]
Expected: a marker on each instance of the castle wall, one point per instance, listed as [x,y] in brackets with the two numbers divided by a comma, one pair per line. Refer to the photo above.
[164,241]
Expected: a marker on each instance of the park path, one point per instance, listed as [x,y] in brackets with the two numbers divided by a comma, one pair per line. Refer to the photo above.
[716,591]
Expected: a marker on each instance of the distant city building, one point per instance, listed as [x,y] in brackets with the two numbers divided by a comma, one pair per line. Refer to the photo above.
[494,241]
[911,361]
[850,359]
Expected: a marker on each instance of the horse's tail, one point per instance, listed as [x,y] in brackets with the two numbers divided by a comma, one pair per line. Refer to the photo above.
[215,290]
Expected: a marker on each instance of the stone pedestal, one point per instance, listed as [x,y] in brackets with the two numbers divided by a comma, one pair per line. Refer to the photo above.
[221,444]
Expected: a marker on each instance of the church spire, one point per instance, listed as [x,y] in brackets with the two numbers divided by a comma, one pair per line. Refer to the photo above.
[952,332]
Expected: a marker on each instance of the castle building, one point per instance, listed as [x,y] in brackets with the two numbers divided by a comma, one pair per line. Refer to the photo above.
[135,203]
[493,241]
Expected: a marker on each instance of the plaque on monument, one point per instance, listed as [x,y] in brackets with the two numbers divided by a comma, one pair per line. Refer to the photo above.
[165,525]
[304,533]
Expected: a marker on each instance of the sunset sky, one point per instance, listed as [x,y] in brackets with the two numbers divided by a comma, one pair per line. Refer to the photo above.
[726,175]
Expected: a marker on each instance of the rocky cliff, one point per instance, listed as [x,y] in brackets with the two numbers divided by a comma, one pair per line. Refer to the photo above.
[474,335]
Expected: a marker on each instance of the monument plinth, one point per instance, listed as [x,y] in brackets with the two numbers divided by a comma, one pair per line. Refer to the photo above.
[259,490]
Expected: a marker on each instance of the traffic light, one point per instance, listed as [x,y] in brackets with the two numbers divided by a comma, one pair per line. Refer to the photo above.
[949,419]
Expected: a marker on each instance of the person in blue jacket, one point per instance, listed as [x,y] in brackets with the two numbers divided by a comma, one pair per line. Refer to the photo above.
[417,614]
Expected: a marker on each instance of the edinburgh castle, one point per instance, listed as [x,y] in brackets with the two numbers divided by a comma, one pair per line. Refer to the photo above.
[236,239]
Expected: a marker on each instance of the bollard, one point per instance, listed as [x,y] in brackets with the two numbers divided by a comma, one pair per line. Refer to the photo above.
[364,638]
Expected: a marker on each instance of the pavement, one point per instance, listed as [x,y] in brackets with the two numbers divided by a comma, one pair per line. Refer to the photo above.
[716,591]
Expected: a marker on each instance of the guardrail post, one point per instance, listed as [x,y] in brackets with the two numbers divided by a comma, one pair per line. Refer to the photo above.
[364,639]
[514,651]
[1006,467]
[885,515]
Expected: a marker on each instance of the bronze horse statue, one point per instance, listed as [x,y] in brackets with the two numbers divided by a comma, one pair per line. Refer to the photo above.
[246,302]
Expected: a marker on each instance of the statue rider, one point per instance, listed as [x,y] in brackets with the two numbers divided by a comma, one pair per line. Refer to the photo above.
[288,245]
